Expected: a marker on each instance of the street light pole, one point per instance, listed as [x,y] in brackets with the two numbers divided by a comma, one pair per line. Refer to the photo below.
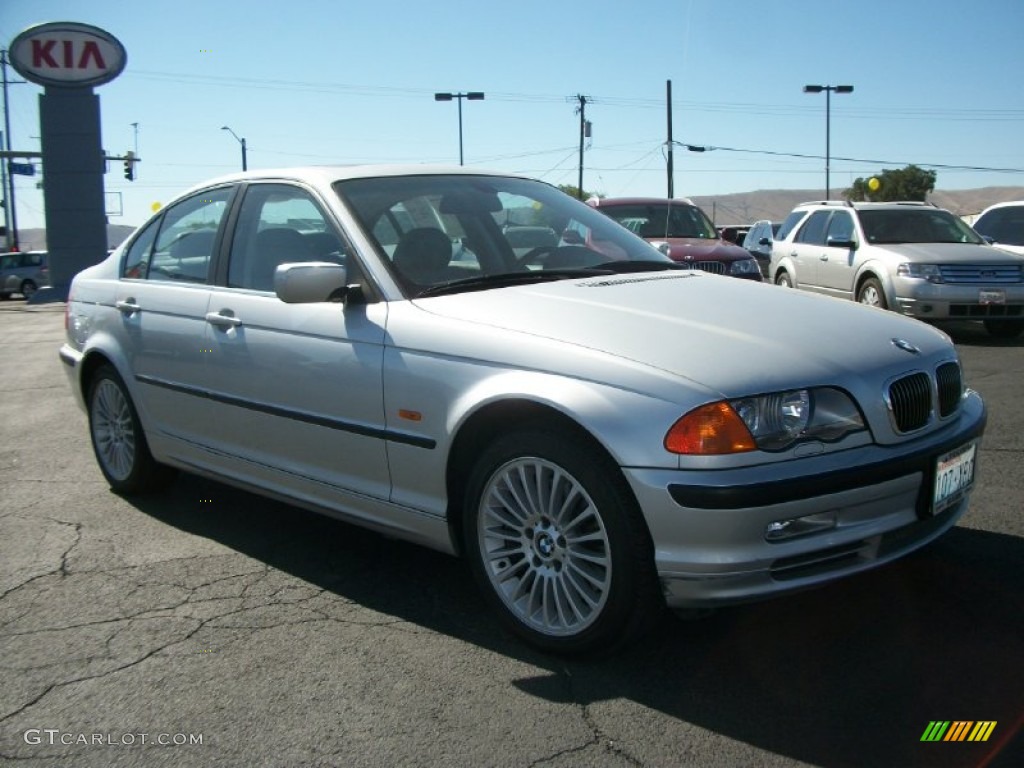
[472,96]
[241,141]
[828,124]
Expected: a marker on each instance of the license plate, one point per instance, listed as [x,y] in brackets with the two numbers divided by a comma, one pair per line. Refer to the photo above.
[991,297]
[954,475]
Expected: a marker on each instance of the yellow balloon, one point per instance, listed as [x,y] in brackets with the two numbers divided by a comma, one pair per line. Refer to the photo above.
[874,184]
[155,207]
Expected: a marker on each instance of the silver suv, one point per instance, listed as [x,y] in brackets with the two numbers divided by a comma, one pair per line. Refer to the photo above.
[913,258]
[23,272]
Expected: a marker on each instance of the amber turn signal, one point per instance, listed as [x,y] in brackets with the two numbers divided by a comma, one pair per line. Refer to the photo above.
[710,430]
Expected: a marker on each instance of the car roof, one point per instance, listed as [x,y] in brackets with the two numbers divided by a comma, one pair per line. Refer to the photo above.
[1006,204]
[327,174]
[599,202]
[868,206]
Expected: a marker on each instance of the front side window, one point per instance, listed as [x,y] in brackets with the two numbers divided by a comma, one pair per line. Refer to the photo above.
[813,232]
[278,224]
[840,226]
[188,232]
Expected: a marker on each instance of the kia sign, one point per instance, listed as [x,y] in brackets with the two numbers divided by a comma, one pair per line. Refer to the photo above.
[68,55]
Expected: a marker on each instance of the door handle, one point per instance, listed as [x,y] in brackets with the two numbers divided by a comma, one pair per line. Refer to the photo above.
[127,306]
[823,257]
[222,321]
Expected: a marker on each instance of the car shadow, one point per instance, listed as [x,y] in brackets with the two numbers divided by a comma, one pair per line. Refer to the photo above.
[973,333]
[850,674]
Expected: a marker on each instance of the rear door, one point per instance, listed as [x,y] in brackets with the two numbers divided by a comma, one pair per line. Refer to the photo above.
[806,250]
[835,265]
[161,300]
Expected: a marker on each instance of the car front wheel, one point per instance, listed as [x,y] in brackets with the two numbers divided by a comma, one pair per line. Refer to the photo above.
[28,289]
[1004,329]
[783,280]
[558,544]
[871,293]
[117,438]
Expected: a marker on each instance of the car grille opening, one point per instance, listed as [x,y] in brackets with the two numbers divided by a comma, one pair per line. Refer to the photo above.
[910,400]
[986,310]
[950,388]
[981,274]
[714,267]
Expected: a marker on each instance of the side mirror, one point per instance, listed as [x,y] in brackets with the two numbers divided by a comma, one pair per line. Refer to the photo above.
[841,242]
[764,241]
[310,282]
[572,237]
[989,239]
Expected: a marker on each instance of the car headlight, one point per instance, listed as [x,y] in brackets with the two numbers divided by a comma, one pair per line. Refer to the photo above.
[772,422]
[929,272]
[744,267]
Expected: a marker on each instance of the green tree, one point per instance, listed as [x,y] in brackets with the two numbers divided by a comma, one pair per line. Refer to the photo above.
[573,191]
[910,183]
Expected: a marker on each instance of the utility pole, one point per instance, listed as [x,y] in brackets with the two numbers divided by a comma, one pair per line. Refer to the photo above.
[11,216]
[135,128]
[581,109]
[671,174]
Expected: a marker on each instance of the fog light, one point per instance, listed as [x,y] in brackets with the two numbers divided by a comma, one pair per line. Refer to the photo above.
[781,530]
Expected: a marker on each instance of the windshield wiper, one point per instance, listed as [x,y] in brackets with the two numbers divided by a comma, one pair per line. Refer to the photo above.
[504,279]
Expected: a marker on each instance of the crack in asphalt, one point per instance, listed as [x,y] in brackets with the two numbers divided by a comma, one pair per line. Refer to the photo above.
[598,737]
[292,593]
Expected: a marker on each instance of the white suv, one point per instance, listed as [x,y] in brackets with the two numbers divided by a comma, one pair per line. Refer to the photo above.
[910,257]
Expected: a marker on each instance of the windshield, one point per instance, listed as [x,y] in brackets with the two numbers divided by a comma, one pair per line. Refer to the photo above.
[434,231]
[662,220]
[916,225]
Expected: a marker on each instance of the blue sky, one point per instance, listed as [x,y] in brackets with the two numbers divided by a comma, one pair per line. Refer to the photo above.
[937,83]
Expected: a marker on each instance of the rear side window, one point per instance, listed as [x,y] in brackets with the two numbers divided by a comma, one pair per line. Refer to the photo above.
[188,232]
[789,224]
[136,261]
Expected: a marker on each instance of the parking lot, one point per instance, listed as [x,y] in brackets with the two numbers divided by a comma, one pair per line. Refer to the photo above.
[212,627]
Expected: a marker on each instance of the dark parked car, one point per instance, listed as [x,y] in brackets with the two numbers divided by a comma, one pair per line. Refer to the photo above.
[681,231]
[23,272]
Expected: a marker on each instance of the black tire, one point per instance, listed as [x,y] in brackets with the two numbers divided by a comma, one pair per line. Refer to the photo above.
[783,280]
[28,289]
[1001,328]
[117,438]
[4,296]
[558,545]
[871,293]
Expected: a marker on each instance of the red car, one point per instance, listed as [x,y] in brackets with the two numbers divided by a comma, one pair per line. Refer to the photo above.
[681,231]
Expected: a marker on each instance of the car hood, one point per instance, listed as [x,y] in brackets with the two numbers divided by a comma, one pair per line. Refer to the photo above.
[699,249]
[951,253]
[733,337]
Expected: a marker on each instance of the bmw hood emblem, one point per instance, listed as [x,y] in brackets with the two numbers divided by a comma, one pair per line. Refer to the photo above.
[906,346]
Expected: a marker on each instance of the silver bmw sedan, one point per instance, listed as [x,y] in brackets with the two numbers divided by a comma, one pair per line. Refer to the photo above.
[598,430]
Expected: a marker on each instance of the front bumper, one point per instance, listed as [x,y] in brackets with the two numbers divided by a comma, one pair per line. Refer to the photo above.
[861,508]
[946,301]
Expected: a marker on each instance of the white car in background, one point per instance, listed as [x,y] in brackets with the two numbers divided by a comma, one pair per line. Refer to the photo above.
[1002,225]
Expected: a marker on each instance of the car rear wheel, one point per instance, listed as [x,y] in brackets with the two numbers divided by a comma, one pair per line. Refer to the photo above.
[558,544]
[1004,329]
[783,280]
[28,289]
[117,438]
[871,293]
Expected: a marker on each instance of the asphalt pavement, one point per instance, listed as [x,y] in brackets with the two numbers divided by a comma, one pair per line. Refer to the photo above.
[208,626]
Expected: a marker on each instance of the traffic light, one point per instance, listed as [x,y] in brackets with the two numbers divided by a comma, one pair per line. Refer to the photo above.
[129,165]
